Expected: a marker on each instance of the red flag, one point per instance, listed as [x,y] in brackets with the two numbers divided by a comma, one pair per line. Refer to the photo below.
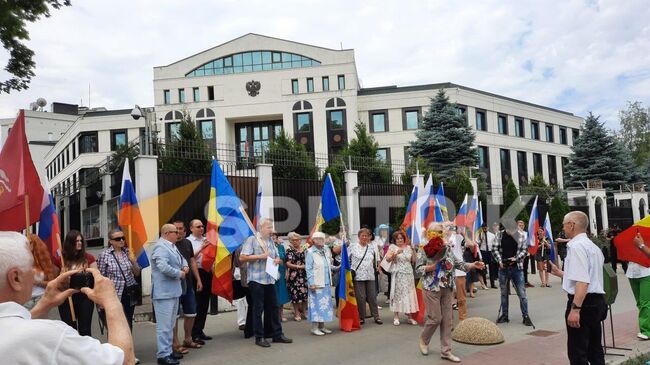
[18,179]
[626,249]
[419,315]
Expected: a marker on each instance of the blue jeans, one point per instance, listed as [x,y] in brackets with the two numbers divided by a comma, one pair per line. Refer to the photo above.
[515,275]
[166,313]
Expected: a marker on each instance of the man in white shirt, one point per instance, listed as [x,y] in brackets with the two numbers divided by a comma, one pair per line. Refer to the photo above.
[202,297]
[28,340]
[485,240]
[583,282]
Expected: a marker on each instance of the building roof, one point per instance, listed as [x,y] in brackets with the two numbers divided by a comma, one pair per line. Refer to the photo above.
[249,35]
[445,85]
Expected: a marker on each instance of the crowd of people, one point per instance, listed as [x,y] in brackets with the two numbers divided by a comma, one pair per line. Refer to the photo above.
[450,266]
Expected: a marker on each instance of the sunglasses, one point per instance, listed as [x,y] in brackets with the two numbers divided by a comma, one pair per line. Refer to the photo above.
[118,239]
[198,226]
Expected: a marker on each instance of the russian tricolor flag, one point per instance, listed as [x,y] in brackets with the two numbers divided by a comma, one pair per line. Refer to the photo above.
[461,216]
[441,214]
[549,234]
[130,219]
[409,224]
[428,206]
[48,223]
[533,225]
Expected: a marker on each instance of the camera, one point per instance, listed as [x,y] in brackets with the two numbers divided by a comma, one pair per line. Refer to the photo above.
[82,279]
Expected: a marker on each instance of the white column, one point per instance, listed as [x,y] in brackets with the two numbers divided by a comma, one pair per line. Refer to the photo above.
[264,174]
[352,201]
[415,177]
[474,182]
[146,190]
[604,215]
[103,211]
[593,228]
[66,215]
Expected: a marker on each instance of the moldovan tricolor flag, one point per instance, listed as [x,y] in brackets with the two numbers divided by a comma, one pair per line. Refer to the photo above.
[419,315]
[348,313]
[227,228]
[533,225]
[18,181]
[130,219]
[625,247]
[48,223]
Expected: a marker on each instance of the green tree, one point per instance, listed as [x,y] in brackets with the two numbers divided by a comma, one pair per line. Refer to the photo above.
[445,140]
[556,212]
[14,16]
[187,152]
[418,163]
[594,156]
[537,186]
[290,159]
[361,155]
[460,181]
[635,131]
[512,203]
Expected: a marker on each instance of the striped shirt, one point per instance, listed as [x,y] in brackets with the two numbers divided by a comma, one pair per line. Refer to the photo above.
[256,270]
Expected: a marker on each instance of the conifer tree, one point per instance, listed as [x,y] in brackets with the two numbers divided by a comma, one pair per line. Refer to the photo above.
[444,140]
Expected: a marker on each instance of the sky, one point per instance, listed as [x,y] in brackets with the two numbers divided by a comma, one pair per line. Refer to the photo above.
[575,55]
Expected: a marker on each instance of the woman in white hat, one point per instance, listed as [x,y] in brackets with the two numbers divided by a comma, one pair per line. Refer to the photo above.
[319,279]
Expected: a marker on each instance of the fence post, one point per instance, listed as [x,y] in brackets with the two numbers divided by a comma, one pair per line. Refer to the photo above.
[146,189]
[264,172]
[474,182]
[352,201]
[415,178]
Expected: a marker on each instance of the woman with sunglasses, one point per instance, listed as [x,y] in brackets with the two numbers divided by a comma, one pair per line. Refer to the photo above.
[114,263]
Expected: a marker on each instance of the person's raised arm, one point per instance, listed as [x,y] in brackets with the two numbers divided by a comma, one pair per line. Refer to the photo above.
[119,333]
[638,242]
[56,292]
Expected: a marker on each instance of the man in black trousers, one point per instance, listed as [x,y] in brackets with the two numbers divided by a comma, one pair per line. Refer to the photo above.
[583,282]
[202,297]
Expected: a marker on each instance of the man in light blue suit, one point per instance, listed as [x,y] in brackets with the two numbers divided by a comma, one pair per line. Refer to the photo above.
[168,271]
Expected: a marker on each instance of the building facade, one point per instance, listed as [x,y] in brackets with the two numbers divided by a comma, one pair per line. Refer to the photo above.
[246,91]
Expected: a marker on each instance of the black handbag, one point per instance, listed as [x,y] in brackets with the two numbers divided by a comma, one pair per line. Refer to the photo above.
[133,291]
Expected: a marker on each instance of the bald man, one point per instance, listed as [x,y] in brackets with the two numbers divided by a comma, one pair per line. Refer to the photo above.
[583,282]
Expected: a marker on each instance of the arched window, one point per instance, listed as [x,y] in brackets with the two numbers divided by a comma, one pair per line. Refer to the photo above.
[205,126]
[252,61]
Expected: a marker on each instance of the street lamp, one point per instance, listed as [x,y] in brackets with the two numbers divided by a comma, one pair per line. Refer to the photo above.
[138,113]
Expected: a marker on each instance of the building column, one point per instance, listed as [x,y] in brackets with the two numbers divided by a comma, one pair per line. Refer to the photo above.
[474,182]
[352,201]
[146,189]
[264,174]
[103,212]
[604,215]
[415,178]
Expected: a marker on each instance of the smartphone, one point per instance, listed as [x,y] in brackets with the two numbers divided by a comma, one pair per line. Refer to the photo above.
[82,279]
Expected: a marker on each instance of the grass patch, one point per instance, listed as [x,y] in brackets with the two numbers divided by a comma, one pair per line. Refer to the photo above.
[640,359]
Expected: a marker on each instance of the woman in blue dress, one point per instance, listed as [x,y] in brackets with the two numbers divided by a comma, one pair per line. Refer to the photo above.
[281,292]
[319,280]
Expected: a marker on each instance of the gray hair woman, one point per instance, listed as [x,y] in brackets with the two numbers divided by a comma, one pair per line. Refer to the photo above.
[319,279]
[363,261]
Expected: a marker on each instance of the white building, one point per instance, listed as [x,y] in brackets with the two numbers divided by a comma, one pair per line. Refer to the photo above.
[247,90]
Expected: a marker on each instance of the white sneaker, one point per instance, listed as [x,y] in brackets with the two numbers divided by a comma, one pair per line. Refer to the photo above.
[379,307]
[641,336]
[326,331]
[317,332]
[413,321]
[424,349]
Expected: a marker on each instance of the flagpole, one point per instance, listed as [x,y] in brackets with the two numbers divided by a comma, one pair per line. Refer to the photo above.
[28,227]
[130,236]
[72,313]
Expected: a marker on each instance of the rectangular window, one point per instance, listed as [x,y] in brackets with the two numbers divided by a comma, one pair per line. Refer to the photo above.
[91,223]
[118,139]
[552,170]
[181,95]
[206,129]
[310,84]
[550,136]
[341,79]
[336,119]
[173,130]
[88,142]
[303,121]
[483,158]
[294,86]
[503,124]
[210,92]
[481,123]
[254,138]
[563,139]
[522,167]
[537,164]
[534,130]
[196,94]
[506,174]
[519,127]
[461,110]
[575,133]
[74,150]
[383,154]
[378,121]
[410,118]
[326,83]
[167,97]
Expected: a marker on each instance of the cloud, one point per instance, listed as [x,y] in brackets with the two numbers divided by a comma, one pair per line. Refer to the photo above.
[578,56]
